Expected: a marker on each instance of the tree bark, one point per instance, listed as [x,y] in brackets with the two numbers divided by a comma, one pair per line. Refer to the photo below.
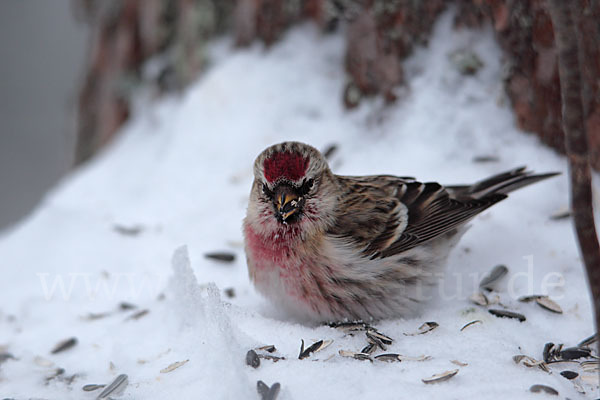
[568,39]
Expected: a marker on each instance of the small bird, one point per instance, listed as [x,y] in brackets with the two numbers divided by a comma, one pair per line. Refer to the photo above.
[329,248]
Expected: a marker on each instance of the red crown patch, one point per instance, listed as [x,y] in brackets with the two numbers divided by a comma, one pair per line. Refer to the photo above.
[287,165]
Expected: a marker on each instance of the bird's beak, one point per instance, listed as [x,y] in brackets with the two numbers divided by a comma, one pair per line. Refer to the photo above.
[287,203]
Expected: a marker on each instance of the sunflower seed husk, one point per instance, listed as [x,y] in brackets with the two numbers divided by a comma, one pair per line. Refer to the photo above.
[383,338]
[422,357]
[64,345]
[441,377]
[313,348]
[588,341]
[357,356]
[229,292]
[376,341]
[388,357]
[477,321]
[92,387]
[268,348]
[252,359]
[507,314]
[370,348]
[115,388]
[124,306]
[224,256]
[480,299]
[460,364]
[530,298]
[270,357]
[133,230]
[543,389]
[424,328]
[351,326]
[590,366]
[563,213]
[488,282]
[95,316]
[274,391]
[485,159]
[137,315]
[173,367]
[573,353]
[547,303]
[530,362]
[262,389]
[548,353]
[569,374]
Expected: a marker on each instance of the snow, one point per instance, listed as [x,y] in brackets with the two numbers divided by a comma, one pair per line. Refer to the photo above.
[180,174]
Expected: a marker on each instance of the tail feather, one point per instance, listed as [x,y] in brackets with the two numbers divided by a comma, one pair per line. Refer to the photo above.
[503,183]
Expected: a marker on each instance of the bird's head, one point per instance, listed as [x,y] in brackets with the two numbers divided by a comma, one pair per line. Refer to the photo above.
[292,184]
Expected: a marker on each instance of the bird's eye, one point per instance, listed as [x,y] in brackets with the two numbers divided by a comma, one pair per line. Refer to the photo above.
[310,183]
[306,186]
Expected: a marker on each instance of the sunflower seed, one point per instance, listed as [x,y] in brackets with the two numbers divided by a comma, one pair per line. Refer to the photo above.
[548,353]
[350,326]
[485,159]
[549,304]
[460,364]
[230,293]
[124,306]
[376,341]
[270,357]
[115,388]
[224,257]
[563,213]
[370,348]
[422,357]
[313,348]
[588,341]
[383,338]
[329,151]
[173,367]
[137,315]
[128,230]
[252,359]
[274,391]
[95,316]
[569,374]
[268,348]
[530,298]
[64,345]
[389,357]
[357,356]
[91,387]
[441,377]
[543,389]
[480,299]
[530,362]
[262,389]
[477,321]
[573,353]
[489,281]
[507,314]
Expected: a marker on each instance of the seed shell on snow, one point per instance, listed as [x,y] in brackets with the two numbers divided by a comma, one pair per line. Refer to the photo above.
[137,315]
[268,348]
[350,326]
[441,377]
[266,392]
[91,387]
[376,341]
[480,299]
[573,353]
[507,314]
[548,304]
[590,366]
[64,345]
[422,357]
[173,367]
[530,362]
[424,328]
[489,281]
[383,338]
[588,341]
[543,389]
[221,256]
[116,387]
[313,348]
[356,356]
[460,364]
[370,348]
[389,357]
[569,374]
[252,359]
[270,357]
[477,321]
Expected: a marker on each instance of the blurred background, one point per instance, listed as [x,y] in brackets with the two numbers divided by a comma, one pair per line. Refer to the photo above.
[70,68]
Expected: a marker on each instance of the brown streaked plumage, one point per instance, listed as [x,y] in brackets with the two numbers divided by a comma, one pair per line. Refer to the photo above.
[328,247]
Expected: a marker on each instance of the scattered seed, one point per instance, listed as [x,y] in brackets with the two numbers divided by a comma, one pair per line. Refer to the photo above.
[563,213]
[224,256]
[351,326]
[230,293]
[530,298]
[274,391]
[480,299]
[548,352]
[55,374]
[383,338]
[95,316]
[588,341]
[389,357]
[573,353]
[530,362]
[329,151]
[460,364]
[128,230]
[115,388]
[507,314]
[549,304]
[174,366]
[485,159]
[441,377]
[357,356]
[376,341]
[64,345]
[569,374]
[477,321]
[270,357]
[370,348]
[137,315]
[422,357]
[543,389]
[252,359]
[424,328]
[91,387]
[268,348]
[313,348]
[590,366]
[124,306]
[263,389]
[497,273]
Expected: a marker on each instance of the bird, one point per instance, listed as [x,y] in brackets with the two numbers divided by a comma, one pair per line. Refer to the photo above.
[328,248]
